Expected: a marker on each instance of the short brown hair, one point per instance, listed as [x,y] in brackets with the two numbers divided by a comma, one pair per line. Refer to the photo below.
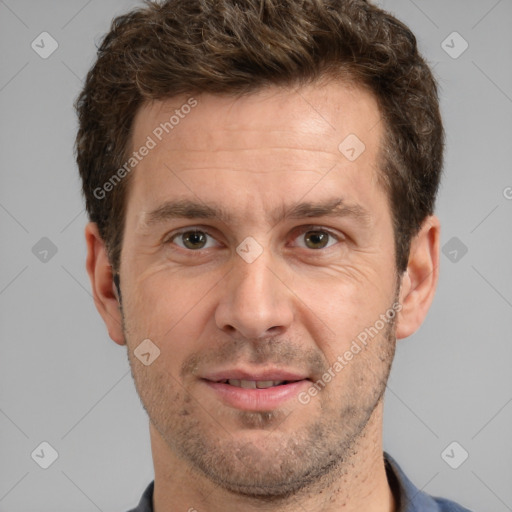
[239,46]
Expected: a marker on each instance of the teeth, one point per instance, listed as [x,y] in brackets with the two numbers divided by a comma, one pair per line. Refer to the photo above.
[262,384]
[254,384]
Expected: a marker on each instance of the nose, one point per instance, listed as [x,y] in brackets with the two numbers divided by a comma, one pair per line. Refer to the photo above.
[256,302]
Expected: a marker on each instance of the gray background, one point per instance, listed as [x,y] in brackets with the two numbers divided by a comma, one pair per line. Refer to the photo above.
[63,380]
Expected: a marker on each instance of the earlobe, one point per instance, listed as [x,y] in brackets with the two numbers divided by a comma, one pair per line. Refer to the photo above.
[102,283]
[419,281]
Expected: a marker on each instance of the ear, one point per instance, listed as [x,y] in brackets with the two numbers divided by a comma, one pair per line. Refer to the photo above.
[102,284]
[419,281]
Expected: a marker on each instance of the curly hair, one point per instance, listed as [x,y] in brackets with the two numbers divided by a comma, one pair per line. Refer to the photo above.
[236,47]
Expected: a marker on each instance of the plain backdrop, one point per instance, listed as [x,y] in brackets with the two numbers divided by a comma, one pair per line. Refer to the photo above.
[64,382]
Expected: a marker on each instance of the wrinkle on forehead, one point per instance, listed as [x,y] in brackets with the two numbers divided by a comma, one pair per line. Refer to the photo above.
[273,132]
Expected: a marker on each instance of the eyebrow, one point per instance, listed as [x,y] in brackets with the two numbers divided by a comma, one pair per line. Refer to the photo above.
[188,209]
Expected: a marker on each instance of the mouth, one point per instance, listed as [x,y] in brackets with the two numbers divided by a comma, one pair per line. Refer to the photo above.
[262,391]
[256,384]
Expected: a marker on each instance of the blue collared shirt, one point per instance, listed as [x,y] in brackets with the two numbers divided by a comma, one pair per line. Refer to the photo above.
[408,498]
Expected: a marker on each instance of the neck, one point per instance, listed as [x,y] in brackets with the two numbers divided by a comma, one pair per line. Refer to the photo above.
[360,484]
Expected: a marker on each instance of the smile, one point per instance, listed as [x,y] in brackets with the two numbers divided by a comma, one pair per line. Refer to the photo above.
[255,384]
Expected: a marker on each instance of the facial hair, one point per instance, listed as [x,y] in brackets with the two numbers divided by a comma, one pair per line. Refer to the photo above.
[273,461]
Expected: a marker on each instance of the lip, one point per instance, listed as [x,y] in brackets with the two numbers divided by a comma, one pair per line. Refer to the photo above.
[267,399]
[268,374]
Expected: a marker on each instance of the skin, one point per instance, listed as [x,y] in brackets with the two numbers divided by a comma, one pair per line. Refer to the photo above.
[296,306]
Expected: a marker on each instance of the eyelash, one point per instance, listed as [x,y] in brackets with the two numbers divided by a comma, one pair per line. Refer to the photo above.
[303,230]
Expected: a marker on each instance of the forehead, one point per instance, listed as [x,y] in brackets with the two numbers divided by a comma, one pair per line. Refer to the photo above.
[324,112]
[281,138]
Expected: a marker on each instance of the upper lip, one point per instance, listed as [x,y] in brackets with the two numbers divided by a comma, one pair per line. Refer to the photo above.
[258,375]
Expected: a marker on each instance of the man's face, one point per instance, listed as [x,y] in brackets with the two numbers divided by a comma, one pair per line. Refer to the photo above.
[223,318]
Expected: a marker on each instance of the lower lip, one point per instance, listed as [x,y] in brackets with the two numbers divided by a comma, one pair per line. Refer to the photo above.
[257,399]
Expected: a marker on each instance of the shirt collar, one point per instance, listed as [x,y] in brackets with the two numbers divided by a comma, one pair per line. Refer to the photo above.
[407,496]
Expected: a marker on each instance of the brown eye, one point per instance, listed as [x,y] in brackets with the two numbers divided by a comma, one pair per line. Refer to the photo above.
[192,239]
[316,239]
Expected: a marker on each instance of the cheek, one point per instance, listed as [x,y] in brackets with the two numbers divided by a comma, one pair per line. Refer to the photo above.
[336,310]
[160,391]
[348,296]
[166,295]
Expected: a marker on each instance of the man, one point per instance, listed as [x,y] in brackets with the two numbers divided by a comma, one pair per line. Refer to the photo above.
[260,178]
